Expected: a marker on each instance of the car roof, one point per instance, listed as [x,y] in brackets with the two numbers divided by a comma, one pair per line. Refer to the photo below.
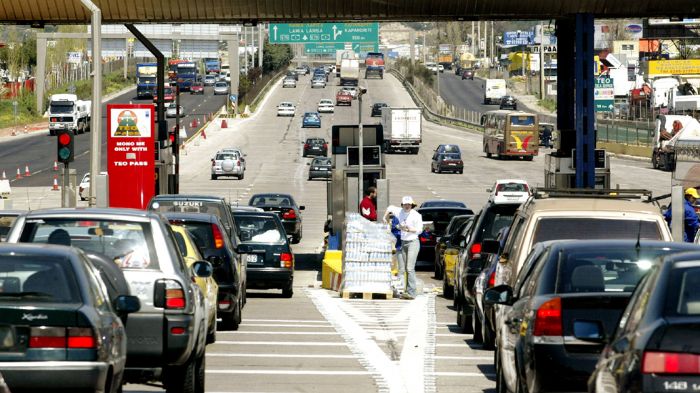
[463,210]
[310,113]
[257,214]
[92,212]
[272,194]
[503,181]
[589,204]
[11,213]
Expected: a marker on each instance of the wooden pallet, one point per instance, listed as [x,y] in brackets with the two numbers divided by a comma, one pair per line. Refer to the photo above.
[367,295]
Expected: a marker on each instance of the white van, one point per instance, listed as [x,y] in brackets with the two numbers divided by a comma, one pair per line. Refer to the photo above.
[494,89]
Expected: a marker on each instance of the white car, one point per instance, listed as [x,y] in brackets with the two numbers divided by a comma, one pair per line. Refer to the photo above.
[509,191]
[235,150]
[172,110]
[289,82]
[352,90]
[318,82]
[441,68]
[432,67]
[227,164]
[84,187]
[286,109]
[326,106]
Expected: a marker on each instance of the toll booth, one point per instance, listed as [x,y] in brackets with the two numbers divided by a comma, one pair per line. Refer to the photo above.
[343,188]
[560,172]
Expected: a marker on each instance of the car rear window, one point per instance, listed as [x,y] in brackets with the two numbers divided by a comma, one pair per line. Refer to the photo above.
[522,120]
[556,228]
[441,218]
[212,207]
[257,229]
[604,270]
[129,244]
[201,232]
[684,291]
[37,279]
[270,200]
[443,204]
[512,187]
[227,156]
[322,161]
[450,149]
[495,218]
[451,156]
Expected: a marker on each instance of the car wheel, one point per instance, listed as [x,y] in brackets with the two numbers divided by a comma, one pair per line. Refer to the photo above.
[448,291]
[241,176]
[460,171]
[199,376]
[465,318]
[211,335]
[288,291]
[230,320]
[214,177]
[439,170]
[476,327]
[181,379]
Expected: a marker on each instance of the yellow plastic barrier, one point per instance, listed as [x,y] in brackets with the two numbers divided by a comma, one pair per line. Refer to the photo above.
[332,270]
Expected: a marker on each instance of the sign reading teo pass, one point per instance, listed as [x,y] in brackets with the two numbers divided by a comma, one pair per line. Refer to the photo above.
[294,33]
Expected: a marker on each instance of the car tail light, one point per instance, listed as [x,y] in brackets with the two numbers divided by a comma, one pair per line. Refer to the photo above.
[54,119]
[548,321]
[169,295]
[492,279]
[306,145]
[289,215]
[670,363]
[177,330]
[224,304]
[325,146]
[218,237]
[474,251]
[47,337]
[238,163]
[81,338]
[286,260]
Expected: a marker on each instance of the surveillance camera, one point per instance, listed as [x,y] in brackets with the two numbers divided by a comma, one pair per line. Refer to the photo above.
[363,90]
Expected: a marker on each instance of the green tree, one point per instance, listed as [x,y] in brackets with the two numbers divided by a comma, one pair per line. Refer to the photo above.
[276,56]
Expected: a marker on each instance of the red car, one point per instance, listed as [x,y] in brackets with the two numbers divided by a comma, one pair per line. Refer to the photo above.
[169,95]
[197,88]
[343,97]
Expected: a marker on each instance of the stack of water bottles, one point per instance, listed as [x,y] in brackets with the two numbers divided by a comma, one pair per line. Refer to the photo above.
[367,255]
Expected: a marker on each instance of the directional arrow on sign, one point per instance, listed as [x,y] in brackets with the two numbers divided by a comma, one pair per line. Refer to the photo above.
[305,38]
[336,32]
[274,28]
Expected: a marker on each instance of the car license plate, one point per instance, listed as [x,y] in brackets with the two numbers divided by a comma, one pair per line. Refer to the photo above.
[452,164]
[324,169]
[251,258]
[7,338]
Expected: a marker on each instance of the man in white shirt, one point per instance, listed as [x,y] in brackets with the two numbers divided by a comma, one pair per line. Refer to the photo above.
[411,225]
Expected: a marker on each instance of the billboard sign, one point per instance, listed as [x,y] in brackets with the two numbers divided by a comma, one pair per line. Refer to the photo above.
[320,49]
[295,33]
[518,37]
[673,67]
[131,155]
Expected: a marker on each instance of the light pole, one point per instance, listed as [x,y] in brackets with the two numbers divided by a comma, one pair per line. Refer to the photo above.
[360,174]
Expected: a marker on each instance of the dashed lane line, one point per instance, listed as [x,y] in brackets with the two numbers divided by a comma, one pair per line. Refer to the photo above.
[278,355]
[285,343]
[290,372]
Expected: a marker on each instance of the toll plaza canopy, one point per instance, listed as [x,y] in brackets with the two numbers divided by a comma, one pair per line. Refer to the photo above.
[236,11]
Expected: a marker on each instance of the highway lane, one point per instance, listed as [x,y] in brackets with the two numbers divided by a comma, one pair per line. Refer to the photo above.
[38,151]
[464,94]
[294,344]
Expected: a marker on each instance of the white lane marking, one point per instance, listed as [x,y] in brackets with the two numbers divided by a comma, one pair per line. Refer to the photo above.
[288,333]
[463,345]
[293,325]
[458,374]
[289,320]
[462,357]
[290,372]
[285,343]
[277,355]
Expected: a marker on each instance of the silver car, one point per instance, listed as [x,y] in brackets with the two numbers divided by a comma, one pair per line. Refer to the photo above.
[209,80]
[142,245]
[237,151]
[220,88]
[227,164]
[289,82]
[172,110]
[318,82]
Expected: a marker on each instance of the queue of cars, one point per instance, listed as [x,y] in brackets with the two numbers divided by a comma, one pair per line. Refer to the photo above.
[575,290]
[111,296]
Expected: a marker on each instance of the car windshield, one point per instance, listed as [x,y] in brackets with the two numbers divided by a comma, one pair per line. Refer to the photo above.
[37,279]
[61,107]
[270,200]
[256,229]
[556,228]
[129,244]
[512,187]
[226,156]
[604,269]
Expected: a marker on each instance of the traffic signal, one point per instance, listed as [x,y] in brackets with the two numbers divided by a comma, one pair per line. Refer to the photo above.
[65,151]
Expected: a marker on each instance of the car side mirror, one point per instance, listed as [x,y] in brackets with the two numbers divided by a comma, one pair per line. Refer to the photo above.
[591,331]
[202,269]
[302,207]
[490,246]
[489,190]
[500,294]
[308,163]
[126,304]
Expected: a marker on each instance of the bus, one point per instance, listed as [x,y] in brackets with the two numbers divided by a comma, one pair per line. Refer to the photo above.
[510,134]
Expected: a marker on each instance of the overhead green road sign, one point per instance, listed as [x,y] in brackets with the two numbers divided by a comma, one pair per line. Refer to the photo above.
[296,33]
[320,49]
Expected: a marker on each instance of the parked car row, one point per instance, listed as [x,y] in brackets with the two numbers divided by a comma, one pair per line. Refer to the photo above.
[108,296]
[575,289]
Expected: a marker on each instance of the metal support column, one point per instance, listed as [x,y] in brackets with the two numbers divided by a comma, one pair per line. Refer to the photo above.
[126,57]
[565,86]
[585,115]
[96,111]
[233,40]
[40,74]
[260,48]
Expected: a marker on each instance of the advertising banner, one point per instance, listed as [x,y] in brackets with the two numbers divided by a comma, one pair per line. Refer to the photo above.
[131,155]
[674,67]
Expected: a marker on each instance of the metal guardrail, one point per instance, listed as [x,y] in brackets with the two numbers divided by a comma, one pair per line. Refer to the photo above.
[428,112]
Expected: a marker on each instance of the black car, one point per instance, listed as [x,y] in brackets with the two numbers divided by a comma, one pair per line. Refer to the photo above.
[440,218]
[567,296]
[174,203]
[287,209]
[447,162]
[467,73]
[442,203]
[656,347]
[292,75]
[508,102]
[492,218]
[267,252]
[320,167]
[208,233]
[59,328]
[454,227]
[377,108]
[315,147]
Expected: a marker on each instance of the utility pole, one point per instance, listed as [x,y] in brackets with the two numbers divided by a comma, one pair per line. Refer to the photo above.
[424,48]
[541,61]
[478,40]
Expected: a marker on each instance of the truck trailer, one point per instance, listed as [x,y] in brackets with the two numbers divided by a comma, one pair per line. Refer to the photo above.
[402,129]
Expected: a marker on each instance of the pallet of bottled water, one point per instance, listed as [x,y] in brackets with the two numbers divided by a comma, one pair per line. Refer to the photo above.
[367,258]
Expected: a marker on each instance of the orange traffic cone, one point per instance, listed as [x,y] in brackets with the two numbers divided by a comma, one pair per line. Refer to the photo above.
[26,171]
[194,123]
[223,123]
[55,166]
[19,175]
[55,183]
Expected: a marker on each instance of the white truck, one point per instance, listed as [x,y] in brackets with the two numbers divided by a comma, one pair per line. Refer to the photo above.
[341,54]
[402,128]
[67,112]
[661,90]
[349,72]
[668,130]
[684,98]
[494,89]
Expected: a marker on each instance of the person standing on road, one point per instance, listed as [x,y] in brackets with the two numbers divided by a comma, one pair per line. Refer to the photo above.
[690,218]
[368,208]
[410,224]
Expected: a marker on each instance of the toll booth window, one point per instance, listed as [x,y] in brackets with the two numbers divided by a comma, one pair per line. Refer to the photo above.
[522,120]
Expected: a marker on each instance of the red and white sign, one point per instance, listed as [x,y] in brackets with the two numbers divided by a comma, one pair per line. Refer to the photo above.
[131,155]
